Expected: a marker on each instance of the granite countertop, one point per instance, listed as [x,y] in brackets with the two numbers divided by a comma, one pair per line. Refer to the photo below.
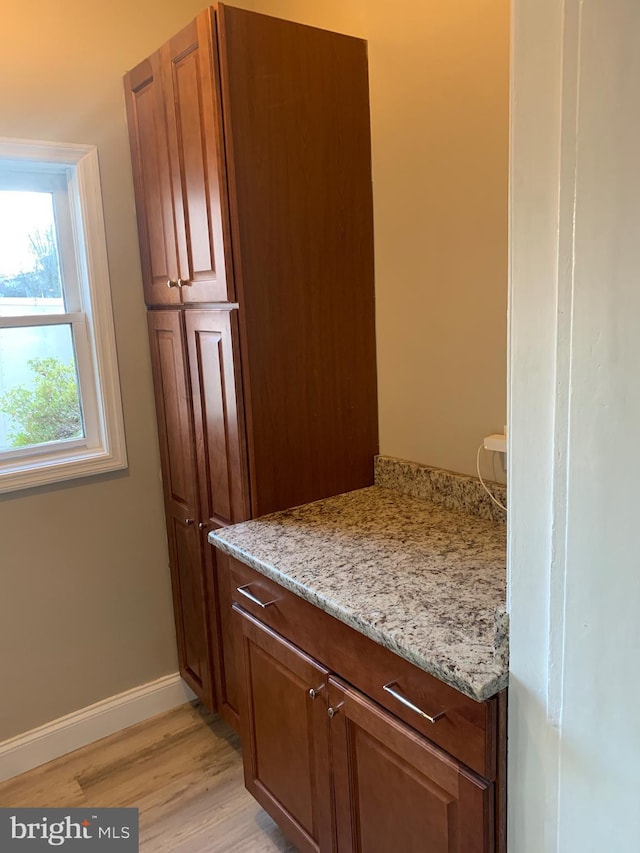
[421,579]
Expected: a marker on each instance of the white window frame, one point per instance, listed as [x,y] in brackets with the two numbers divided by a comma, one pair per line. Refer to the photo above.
[88,312]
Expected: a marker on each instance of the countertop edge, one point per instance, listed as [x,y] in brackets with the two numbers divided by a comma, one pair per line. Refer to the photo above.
[480,692]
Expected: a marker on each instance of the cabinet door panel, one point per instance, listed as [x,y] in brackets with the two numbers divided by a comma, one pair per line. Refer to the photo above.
[285,735]
[188,583]
[173,408]
[189,579]
[228,661]
[189,64]
[215,387]
[152,182]
[394,790]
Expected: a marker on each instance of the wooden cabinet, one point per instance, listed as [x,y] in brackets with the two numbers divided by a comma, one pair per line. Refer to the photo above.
[395,790]
[212,344]
[341,772]
[228,667]
[176,146]
[202,455]
[152,182]
[286,735]
[192,105]
[252,174]
[180,485]
[467,730]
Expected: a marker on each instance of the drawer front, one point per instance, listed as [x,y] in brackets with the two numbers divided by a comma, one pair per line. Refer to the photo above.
[463,727]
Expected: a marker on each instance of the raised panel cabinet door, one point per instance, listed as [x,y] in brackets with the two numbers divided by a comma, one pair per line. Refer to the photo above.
[173,410]
[211,340]
[285,735]
[228,663]
[191,90]
[152,182]
[217,412]
[190,593]
[180,485]
[394,790]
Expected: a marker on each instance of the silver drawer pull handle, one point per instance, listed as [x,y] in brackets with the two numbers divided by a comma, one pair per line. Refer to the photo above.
[408,704]
[333,711]
[314,693]
[244,590]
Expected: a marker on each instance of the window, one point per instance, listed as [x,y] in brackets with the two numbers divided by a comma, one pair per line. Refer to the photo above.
[60,407]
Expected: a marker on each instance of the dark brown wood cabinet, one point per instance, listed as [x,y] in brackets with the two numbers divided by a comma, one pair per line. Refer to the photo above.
[180,484]
[335,769]
[252,173]
[152,182]
[286,735]
[228,652]
[192,103]
[202,451]
[395,790]
[176,144]
[220,448]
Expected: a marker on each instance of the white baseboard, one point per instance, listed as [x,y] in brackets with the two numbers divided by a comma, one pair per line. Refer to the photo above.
[89,724]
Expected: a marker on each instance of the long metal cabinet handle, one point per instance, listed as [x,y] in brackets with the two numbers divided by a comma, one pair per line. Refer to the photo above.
[409,704]
[243,590]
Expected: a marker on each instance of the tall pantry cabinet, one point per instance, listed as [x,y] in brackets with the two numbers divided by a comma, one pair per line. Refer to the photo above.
[252,171]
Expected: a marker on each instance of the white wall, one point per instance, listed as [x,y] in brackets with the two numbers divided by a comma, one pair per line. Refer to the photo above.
[575,420]
[535,163]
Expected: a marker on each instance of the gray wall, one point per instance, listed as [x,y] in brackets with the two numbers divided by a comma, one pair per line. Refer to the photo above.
[85,610]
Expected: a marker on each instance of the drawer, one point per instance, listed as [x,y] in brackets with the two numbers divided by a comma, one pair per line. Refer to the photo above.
[463,727]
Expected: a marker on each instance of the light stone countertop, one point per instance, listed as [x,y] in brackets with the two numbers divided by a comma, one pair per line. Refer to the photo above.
[421,579]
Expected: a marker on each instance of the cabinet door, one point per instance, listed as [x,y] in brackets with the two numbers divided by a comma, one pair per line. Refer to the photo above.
[217,411]
[394,790]
[152,182]
[285,735]
[221,462]
[189,585]
[189,68]
[228,663]
[179,475]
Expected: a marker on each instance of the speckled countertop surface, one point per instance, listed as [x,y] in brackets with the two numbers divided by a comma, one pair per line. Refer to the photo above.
[424,580]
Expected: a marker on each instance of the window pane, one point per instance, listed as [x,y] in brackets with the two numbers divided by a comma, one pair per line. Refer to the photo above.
[29,257]
[39,397]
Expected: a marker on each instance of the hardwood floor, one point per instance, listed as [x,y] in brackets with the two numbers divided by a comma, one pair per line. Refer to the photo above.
[182,769]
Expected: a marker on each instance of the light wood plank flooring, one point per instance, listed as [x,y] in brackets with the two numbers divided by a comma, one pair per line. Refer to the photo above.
[182,769]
